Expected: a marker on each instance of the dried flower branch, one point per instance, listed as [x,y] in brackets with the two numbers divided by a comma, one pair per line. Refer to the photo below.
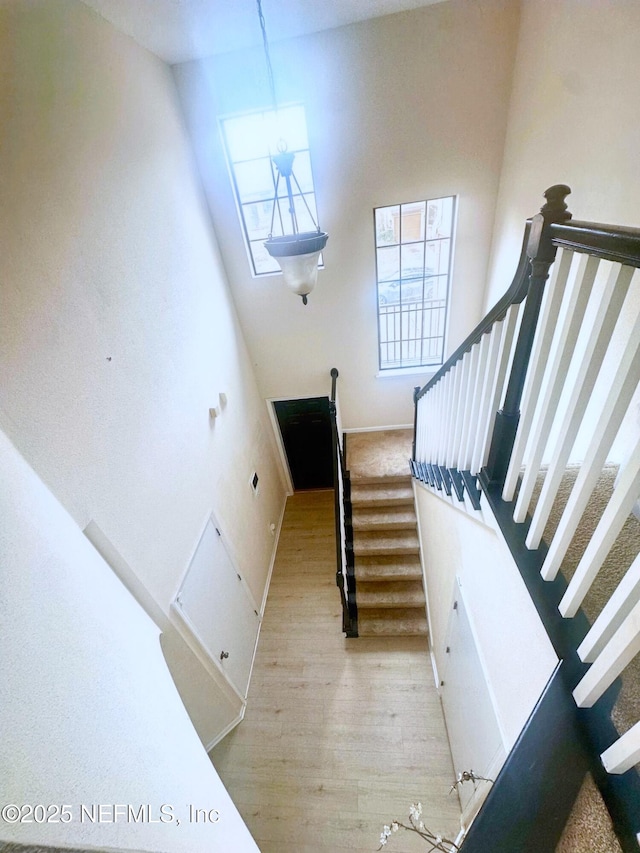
[468,776]
[436,841]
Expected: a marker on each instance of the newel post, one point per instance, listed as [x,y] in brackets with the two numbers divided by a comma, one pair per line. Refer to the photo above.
[541,253]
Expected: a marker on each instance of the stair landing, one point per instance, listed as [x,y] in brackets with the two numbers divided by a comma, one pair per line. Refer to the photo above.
[380,453]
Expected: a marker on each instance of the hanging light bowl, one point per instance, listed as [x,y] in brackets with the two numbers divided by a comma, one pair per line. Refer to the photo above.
[297,255]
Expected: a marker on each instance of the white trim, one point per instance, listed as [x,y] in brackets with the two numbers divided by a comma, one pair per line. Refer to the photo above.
[187,629]
[432,655]
[507,742]
[189,633]
[428,371]
[284,465]
[227,729]
[288,479]
[482,790]
[379,428]
[272,562]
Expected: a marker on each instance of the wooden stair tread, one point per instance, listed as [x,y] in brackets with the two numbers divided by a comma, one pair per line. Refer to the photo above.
[391,622]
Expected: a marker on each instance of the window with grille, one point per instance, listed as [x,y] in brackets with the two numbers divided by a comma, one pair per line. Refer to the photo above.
[250,140]
[414,249]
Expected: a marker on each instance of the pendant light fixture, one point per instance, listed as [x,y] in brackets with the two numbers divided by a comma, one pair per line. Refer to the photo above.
[296,252]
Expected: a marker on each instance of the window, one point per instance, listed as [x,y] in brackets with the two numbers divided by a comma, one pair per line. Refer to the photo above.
[413,264]
[250,140]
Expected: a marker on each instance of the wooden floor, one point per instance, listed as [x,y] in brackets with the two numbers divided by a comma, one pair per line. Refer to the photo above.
[340,736]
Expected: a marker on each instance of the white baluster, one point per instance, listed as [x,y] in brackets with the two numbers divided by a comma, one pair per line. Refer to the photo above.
[434,395]
[623,385]
[457,419]
[537,365]
[613,518]
[497,390]
[425,416]
[613,614]
[619,651]
[474,355]
[444,417]
[476,382]
[606,316]
[422,420]
[558,369]
[624,753]
[485,397]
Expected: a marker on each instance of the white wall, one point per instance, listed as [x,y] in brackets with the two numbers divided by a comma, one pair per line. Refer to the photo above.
[117,331]
[89,713]
[400,108]
[574,119]
[514,649]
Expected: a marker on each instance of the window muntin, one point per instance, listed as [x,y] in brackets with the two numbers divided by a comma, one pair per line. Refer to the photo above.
[413,264]
[250,140]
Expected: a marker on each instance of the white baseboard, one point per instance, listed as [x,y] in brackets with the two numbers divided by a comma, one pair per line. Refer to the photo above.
[379,428]
[276,539]
[226,730]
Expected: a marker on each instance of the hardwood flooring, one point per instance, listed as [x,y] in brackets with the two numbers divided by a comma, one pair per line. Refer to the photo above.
[340,736]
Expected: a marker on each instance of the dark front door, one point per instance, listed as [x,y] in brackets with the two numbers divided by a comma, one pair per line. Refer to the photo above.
[305,426]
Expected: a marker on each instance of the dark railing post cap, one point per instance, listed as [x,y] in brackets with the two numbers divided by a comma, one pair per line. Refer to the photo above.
[555,206]
[539,246]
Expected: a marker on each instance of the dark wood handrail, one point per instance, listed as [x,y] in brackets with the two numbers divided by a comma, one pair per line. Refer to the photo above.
[340,474]
[513,296]
[617,243]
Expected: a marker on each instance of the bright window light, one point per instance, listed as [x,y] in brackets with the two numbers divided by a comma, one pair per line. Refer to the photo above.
[413,263]
[250,140]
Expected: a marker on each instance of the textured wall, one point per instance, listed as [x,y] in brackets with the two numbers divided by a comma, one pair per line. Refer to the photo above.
[574,119]
[89,713]
[117,332]
[400,108]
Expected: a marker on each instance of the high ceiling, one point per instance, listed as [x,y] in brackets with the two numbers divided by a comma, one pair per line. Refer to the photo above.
[180,30]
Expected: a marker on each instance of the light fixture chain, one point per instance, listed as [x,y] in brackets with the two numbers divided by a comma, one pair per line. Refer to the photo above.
[272,85]
[304,199]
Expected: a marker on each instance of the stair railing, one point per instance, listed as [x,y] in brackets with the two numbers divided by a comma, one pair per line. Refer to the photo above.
[460,427]
[345,574]
[484,425]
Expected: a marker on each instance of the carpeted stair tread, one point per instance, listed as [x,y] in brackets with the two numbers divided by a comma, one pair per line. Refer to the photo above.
[385,594]
[368,542]
[389,622]
[391,479]
[381,493]
[387,568]
[384,518]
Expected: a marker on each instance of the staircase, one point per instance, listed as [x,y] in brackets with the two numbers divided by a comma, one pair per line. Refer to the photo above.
[504,414]
[389,591]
